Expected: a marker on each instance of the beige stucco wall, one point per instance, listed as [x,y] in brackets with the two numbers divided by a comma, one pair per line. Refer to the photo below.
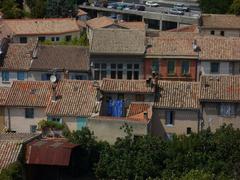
[182,120]
[109,130]
[227,32]
[18,121]
[16,39]
[70,122]
[213,120]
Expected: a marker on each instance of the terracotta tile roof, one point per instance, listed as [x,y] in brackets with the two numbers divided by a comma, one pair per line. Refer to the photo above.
[171,44]
[42,26]
[220,88]
[220,21]
[137,108]
[132,25]
[125,86]
[4,91]
[72,58]
[191,28]
[100,22]
[11,146]
[178,95]
[219,48]
[76,98]
[118,41]
[29,93]
[19,56]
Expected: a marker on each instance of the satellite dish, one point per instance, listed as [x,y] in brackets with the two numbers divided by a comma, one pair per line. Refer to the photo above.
[53,78]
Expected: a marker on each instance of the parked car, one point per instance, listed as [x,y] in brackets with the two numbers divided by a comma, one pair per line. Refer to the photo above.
[141,8]
[121,6]
[112,6]
[181,7]
[176,12]
[151,4]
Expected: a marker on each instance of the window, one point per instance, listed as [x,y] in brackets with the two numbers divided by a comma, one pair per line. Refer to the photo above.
[120,75]
[46,76]
[169,118]
[29,113]
[20,75]
[136,75]
[139,97]
[5,76]
[33,128]
[185,67]
[53,38]
[96,74]
[215,67]
[113,74]
[171,67]
[189,130]
[56,119]
[227,109]
[68,38]
[155,66]
[129,74]
[41,38]
[212,32]
[222,33]
[103,71]
[23,39]
[57,38]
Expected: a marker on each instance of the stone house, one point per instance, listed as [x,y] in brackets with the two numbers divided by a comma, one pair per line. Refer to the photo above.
[220,97]
[26,104]
[176,109]
[117,54]
[52,29]
[220,25]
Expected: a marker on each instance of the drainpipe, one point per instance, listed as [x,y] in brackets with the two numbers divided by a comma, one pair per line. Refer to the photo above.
[9,119]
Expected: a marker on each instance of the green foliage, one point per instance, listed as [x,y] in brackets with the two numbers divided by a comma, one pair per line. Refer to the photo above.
[44,124]
[132,158]
[13,172]
[11,9]
[197,175]
[81,41]
[235,7]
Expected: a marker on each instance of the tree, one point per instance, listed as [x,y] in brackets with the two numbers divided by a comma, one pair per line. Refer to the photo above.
[215,6]
[13,172]
[132,158]
[235,7]
[11,10]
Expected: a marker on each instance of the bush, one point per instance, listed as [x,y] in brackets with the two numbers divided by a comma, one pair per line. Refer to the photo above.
[44,124]
[13,172]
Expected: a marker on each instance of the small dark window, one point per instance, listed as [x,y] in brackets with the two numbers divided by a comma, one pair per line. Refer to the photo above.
[136,75]
[57,38]
[68,38]
[113,74]
[136,66]
[41,38]
[139,97]
[222,33]
[103,74]
[29,113]
[129,74]
[96,75]
[185,67]
[169,118]
[96,66]
[214,67]
[212,32]
[53,38]
[171,67]
[120,74]
[129,66]
[119,66]
[189,130]
[23,39]
[103,66]
[113,66]
[155,66]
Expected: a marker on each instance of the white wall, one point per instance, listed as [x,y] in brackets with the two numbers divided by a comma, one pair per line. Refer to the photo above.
[224,67]
[18,121]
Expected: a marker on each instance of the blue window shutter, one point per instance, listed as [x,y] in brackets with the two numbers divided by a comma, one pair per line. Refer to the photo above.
[20,75]
[5,76]
[81,122]
[44,77]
